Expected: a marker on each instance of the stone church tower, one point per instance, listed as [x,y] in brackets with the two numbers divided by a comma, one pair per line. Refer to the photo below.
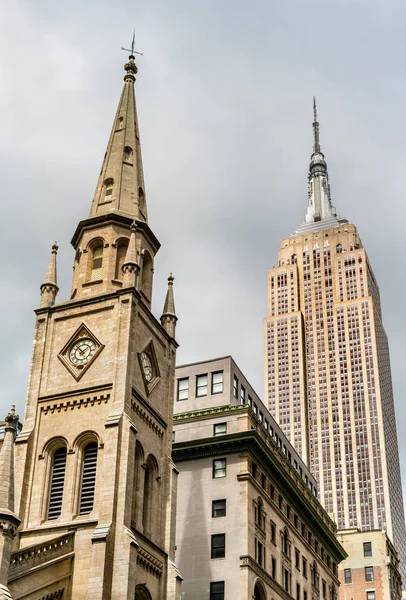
[95,486]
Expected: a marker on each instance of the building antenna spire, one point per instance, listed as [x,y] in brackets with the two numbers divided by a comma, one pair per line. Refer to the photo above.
[316,135]
[131,50]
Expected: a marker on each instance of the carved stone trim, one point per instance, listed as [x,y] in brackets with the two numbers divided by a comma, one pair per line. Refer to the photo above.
[76,403]
[148,562]
[145,416]
[8,529]
[35,555]
[248,561]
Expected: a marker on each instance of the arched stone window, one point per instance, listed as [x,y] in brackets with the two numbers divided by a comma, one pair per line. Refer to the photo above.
[108,189]
[95,260]
[146,277]
[121,253]
[141,202]
[142,593]
[128,154]
[259,591]
[88,479]
[339,248]
[286,542]
[57,483]
[150,513]
[259,512]
[138,485]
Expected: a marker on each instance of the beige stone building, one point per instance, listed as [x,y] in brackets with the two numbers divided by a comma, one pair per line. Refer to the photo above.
[327,366]
[95,486]
[371,571]
[249,524]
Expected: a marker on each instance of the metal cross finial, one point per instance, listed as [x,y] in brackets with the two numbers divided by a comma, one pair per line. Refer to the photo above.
[131,50]
[314,108]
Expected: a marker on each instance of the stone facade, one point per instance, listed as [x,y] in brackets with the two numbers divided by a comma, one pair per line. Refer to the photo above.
[249,523]
[95,482]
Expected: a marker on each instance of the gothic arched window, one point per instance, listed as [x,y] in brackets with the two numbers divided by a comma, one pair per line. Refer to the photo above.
[108,190]
[121,253]
[149,511]
[88,479]
[57,483]
[96,260]
[137,505]
[146,276]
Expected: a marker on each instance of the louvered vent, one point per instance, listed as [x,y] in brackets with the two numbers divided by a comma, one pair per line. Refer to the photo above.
[88,479]
[57,483]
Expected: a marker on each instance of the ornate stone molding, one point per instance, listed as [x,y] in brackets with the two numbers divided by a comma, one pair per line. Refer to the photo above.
[35,555]
[144,414]
[148,562]
[248,562]
[76,403]
[7,528]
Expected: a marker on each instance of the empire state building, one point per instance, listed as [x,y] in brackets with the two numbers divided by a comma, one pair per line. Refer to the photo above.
[327,367]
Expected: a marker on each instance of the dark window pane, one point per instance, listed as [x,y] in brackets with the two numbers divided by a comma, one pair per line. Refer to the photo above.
[218,545]
[219,508]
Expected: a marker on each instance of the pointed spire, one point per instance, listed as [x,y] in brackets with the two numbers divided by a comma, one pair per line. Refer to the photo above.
[169,318]
[316,134]
[120,187]
[49,287]
[131,265]
[320,212]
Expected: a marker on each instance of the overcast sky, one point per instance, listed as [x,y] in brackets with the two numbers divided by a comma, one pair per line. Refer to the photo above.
[224,95]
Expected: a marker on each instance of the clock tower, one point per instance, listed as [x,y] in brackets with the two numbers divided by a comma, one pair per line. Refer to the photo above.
[95,484]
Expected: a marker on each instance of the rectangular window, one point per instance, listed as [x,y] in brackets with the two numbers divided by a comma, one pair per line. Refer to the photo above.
[183,389]
[219,468]
[218,508]
[367,548]
[218,545]
[369,573]
[242,394]
[201,386]
[273,532]
[273,571]
[220,429]
[217,382]
[347,576]
[235,388]
[304,595]
[217,590]
[304,567]
[324,589]
[297,591]
[371,595]
[249,400]
[297,559]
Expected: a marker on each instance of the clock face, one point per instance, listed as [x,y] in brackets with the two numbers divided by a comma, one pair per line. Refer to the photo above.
[82,351]
[146,366]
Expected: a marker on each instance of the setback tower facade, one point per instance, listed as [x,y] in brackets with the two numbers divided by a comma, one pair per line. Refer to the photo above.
[327,366]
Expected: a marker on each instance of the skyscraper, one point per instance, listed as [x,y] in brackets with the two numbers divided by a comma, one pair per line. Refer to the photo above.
[327,367]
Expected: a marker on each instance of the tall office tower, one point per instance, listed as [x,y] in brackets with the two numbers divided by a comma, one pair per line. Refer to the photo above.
[327,368]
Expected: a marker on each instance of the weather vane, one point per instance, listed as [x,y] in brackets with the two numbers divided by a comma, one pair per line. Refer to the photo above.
[132,47]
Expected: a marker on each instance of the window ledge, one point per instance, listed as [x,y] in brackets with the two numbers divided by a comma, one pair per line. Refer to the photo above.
[117,282]
[89,283]
[105,202]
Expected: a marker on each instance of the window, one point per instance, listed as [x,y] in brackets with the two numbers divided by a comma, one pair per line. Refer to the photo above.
[218,545]
[367,548]
[108,190]
[183,389]
[218,508]
[88,479]
[217,382]
[297,558]
[304,595]
[97,262]
[263,481]
[201,386]
[259,553]
[57,483]
[121,254]
[235,389]
[220,429]
[304,567]
[297,591]
[219,468]
[286,579]
[242,394]
[369,573]
[324,589]
[273,571]
[371,595]
[273,532]
[217,590]
[347,576]
[249,400]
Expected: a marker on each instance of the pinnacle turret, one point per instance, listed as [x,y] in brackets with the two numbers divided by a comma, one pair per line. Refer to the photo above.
[169,318]
[49,287]
[131,266]
[8,520]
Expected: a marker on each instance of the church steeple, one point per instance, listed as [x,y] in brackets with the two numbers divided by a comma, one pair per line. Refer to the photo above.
[49,287]
[320,214]
[120,187]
